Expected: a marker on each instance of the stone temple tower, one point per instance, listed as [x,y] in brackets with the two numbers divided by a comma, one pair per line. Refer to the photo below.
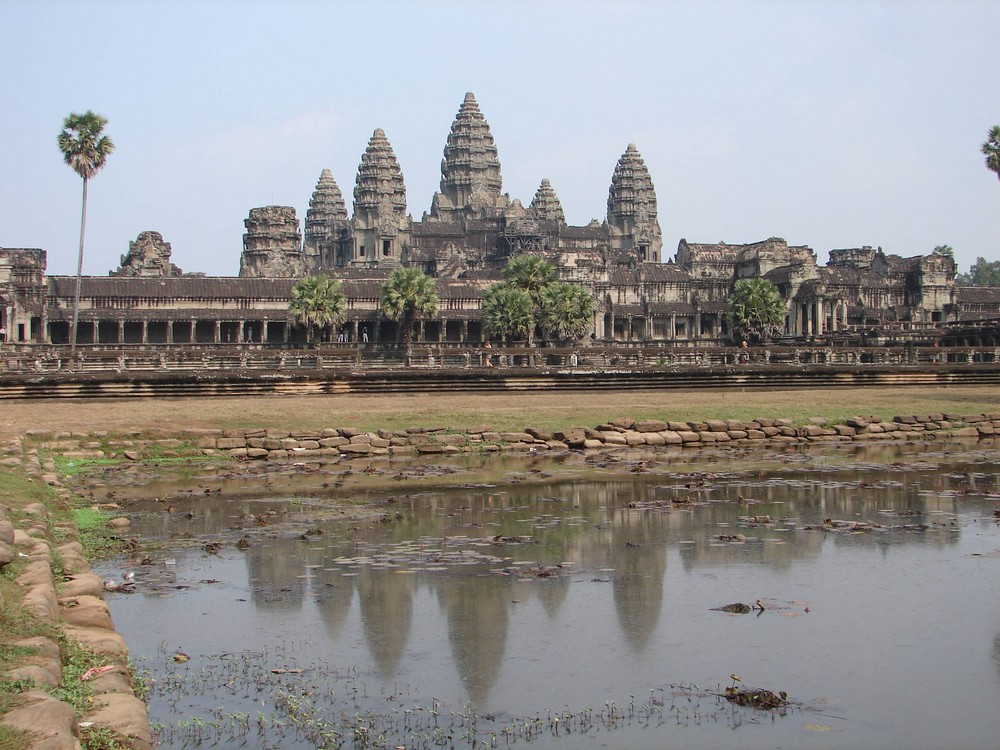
[380,226]
[546,205]
[272,245]
[470,170]
[326,223]
[632,209]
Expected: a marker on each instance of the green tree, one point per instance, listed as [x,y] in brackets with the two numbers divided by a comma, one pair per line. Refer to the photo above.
[507,312]
[991,150]
[945,250]
[317,302]
[756,311]
[567,311]
[531,273]
[981,273]
[85,149]
[408,294]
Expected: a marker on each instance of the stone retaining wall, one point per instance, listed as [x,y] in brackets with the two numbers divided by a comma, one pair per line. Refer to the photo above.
[332,443]
[74,605]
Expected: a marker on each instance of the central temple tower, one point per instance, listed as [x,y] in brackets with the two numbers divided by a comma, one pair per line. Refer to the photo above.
[470,170]
[632,209]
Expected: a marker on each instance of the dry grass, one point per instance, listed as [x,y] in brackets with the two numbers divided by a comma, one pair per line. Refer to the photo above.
[502,411]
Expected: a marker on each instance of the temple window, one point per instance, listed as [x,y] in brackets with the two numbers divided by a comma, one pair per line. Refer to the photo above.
[361,250]
[386,247]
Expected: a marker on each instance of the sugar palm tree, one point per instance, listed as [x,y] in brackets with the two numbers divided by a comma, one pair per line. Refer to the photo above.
[85,149]
[991,149]
[567,311]
[317,302]
[531,273]
[507,312]
[408,294]
[756,310]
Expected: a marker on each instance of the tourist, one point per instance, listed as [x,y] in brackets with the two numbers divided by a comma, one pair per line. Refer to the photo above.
[364,335]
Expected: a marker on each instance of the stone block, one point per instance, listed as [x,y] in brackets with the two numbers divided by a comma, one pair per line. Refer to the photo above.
[687,436]
[651,425]
[227,443]
[966,432]
[516,437]
[593,443]
[257,452]
[846,430]
[539,434]
[635,438]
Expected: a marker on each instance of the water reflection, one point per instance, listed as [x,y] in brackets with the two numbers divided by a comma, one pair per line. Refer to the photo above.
[513,581]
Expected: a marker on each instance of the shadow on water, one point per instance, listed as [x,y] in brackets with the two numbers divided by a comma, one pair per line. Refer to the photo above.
[498,599]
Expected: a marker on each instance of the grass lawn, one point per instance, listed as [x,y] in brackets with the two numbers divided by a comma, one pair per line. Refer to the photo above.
[502,411]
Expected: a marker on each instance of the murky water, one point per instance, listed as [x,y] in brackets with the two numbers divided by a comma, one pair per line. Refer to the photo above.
[577,590]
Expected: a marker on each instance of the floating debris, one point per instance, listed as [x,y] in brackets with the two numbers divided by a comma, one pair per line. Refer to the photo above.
[764,700]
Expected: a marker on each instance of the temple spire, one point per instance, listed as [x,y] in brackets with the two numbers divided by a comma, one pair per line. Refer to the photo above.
[632,207]
[470,170]
[326,211]
[380,224]
[379,189]
[546,204]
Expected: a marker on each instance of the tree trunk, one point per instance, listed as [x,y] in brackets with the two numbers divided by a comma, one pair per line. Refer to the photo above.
[79,272]
[407,323]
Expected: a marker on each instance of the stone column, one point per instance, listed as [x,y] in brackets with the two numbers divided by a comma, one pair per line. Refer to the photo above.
[170,331]
[672,333]
[820,315]
[464,332]
[217,335]
[121,331]
[145,332]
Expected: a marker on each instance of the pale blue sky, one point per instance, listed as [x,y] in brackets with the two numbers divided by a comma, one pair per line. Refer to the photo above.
[831,124]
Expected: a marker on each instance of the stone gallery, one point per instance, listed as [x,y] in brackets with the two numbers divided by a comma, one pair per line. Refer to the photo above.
[464,242]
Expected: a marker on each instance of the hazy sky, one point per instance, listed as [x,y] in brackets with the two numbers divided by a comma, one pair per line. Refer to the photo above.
[831,124]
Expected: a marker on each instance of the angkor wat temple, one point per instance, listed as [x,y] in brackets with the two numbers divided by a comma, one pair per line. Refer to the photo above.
[464,241]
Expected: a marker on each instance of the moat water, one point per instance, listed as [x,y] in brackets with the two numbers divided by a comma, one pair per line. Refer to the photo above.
[570,601]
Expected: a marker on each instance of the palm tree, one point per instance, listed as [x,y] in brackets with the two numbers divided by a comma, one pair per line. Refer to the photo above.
[407,295]
[531,273]
[85,149]
[507,312]
[756,311]
[567,311]
[317,302]
[991,149]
